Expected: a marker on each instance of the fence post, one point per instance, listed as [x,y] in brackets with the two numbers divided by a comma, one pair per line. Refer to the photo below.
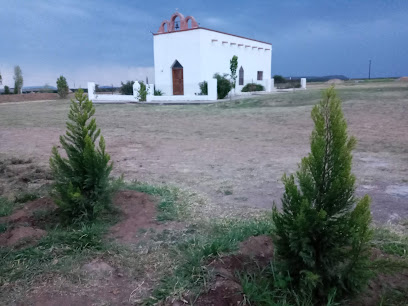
[136,87]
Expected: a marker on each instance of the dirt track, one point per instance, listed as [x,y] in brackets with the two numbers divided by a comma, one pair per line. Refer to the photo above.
[233,155]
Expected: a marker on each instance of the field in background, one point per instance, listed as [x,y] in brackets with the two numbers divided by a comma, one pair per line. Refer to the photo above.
[233,153]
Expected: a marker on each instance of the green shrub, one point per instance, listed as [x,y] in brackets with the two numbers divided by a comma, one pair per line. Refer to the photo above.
[323,232]
[62,87]
[157,92]
[6,207]
[279,79]
[82,179]
[7,90]
[223,85]
[142,92]
[127,88]
[252,87]
[233,69]
[203,88]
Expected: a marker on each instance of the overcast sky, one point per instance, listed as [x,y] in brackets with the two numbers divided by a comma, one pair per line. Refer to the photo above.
[109,41]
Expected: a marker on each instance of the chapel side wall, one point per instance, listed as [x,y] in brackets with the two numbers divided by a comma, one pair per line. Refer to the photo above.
[181,46]
[216,56]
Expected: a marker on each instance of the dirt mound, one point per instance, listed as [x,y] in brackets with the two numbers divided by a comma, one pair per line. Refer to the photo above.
[253,253]
[25,214]
[22,228]
[335,81]
[98,268]
[256,253]
[139,211]
[402,79]
[21,237]
[260,246]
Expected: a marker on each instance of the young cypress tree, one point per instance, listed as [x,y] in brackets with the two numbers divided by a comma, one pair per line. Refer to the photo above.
[323,231]
[81,179]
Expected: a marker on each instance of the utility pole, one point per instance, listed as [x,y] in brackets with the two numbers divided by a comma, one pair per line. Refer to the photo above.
[369,69]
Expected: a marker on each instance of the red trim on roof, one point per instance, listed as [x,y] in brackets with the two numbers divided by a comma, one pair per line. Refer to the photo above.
[213,31]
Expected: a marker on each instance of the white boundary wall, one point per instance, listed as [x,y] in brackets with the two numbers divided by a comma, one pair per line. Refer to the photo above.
[112,98]
[212,95]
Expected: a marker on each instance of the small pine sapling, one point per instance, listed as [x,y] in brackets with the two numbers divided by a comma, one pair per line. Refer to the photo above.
[81,181]
[323,231]
[62,87]
[233,69]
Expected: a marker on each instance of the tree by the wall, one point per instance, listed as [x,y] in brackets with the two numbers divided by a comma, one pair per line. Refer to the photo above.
[62,87]
[279,79]
[81,180]
[18,79]
[6,90]
[223,85]
[323,232]
[142,92]
[203,88]
[233,68]
[127,88]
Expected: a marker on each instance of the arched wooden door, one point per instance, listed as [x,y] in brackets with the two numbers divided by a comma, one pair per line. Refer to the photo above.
[178,79]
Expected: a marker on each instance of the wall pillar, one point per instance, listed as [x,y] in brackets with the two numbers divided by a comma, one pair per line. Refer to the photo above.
[136,87]
[303,83]
[150,92]
[91,91]
[212,89]
[272,84]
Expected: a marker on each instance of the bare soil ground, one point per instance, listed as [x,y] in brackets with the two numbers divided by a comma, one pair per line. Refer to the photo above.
[31,97]
[233,153]
[105,282]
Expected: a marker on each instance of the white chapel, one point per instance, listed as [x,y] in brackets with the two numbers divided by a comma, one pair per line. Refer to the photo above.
[186,54]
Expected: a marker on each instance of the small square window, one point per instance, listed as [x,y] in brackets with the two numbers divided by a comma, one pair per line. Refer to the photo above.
[260,76]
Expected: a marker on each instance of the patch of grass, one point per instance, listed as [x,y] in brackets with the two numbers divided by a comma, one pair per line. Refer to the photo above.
[57,251]
[6,207]
[395,297]
[3,227]
[390,242]
[172,204]
[268,287]
[197,249]
[26,197]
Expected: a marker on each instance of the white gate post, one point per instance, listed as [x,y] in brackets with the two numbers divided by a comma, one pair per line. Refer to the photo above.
[136,87]
[303,83]
[150,92]
[91,91]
